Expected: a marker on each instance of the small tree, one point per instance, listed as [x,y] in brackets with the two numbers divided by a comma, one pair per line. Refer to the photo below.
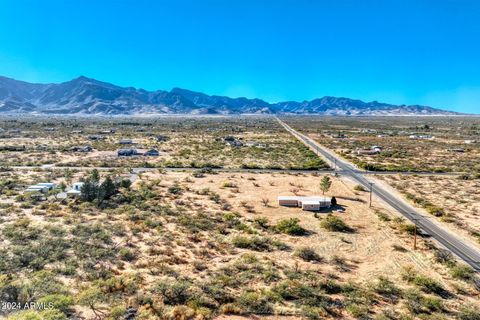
[95,176]
[325,184]
[333,202]
[89,190]
[107,189]
[265,202]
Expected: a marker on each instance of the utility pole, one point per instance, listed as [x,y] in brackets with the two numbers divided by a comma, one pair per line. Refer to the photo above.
[415,220]
[371,192]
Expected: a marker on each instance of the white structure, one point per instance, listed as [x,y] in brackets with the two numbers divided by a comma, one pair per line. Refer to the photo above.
[76,189]
[306,203]
[49,185]
[37,188]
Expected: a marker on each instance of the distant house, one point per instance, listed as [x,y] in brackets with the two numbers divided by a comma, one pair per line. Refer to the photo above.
[12,148]
[152,153]
[372,151]
[76,190]
[421,137]
[81,149]
[125,141]
[127,152]
[77,131]
[109,131]
[456,150]
[36,188]
[42,187]
[306,203]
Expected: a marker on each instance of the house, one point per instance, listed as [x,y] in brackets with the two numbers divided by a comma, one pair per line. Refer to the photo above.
[456,150]
[421,137]
[81,149]
[49,185]
[125,141]
[42,187]
[36,188]
[314,203]
[127,152]
[76,189]
[110,131]
[152,153]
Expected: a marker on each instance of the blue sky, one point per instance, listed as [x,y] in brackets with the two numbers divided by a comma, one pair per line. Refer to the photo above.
[411,52]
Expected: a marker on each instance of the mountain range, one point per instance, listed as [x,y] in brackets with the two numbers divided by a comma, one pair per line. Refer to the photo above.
[86,96]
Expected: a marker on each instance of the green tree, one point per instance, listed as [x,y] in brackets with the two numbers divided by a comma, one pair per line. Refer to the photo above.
[95,176]
[89,190]
[107,189]
[325,184]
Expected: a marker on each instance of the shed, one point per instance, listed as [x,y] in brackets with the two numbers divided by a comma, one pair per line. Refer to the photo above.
[127,152]
[288,201]
[310,205]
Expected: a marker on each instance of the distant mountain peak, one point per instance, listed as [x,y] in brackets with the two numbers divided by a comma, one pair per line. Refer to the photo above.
[84,95]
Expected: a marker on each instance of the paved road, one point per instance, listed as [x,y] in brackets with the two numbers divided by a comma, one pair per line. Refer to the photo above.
[463,249]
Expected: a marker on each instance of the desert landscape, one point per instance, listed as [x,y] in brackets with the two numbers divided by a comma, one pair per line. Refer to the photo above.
[197,242]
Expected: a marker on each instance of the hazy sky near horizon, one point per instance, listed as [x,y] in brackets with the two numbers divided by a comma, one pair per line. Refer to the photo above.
[404,52]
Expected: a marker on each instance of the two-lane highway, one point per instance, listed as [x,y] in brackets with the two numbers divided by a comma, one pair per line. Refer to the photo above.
[460,247]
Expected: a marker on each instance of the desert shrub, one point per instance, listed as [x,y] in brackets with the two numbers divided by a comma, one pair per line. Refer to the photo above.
[58,301]
[356,310]
[462,272]
[252,302]
[386,288]
[175,292]
[261,222]
[255,243]
[175,189]
[333,223]
[428,285]
[307,254]
[469,312]
[126,254]
[443,256]
[291,227]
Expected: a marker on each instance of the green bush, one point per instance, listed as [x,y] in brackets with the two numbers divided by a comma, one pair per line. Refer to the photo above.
[307,254]
[333,223]
[462,272]
[469,312]
[290,227]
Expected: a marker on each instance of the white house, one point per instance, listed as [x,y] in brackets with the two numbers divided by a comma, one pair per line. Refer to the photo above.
[306,203]
[49,185]
[76,189]
[37,188]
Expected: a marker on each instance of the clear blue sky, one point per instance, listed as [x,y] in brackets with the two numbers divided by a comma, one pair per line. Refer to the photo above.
[412,52]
